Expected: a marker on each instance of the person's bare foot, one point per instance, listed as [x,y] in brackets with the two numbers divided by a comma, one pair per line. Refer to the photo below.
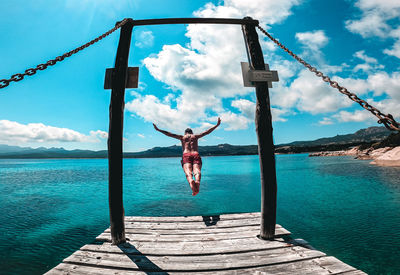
[197,183]
[193,187]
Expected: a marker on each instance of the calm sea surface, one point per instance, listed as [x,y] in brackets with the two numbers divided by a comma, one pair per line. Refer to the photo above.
[344,207]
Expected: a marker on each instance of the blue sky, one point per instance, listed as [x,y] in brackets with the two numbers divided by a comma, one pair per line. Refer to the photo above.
[190,74]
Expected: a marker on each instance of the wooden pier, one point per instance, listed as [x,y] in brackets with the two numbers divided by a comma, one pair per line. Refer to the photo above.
[225,244]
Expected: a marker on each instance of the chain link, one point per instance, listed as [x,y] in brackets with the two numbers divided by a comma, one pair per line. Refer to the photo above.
[386,120]
[31,71]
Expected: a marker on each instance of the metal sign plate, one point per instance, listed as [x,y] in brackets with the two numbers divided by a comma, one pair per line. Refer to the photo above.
[251,76]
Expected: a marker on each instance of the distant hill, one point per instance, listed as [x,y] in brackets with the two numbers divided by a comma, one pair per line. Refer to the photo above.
[156,152]
[41,152]
[370,134]
[214,150]
[365,137]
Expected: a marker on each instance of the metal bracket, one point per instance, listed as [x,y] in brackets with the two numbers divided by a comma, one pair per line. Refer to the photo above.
[132,79]
[251,76]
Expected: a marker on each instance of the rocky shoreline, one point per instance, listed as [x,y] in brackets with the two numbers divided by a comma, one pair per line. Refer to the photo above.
[384,156]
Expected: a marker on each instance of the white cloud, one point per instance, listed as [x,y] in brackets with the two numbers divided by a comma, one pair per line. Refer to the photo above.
[369,65]
[357,116]
[267,11]
[99,133]
[151,109]
[234,121]
[312,42]
[141,135]
[384,83]
[207,69]
[310,94]
[387,106]
[378,19]
[15,133]
[380,84]
[362,67]
[395,50]
[346,116]
[278,113]
[144,39]
[313,39]
[361,55]
[141,87]
[371,24]
[325,121]
[268,45]
[246,107]
[203,127]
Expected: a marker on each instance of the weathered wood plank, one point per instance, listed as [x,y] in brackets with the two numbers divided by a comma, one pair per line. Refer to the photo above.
[65,268]
[198,237]
[208,230]
[321,266]
[192,218]
[190,248]
[193,263]
[354,272]
[334,265]
[194,225]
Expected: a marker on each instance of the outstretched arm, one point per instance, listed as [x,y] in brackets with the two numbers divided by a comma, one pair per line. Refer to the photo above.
[209,130]
[167,133]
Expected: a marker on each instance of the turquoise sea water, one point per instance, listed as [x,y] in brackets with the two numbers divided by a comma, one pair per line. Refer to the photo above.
[344,207]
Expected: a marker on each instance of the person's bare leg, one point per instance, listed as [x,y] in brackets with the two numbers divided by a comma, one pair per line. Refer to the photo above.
[197,175]
[188,169]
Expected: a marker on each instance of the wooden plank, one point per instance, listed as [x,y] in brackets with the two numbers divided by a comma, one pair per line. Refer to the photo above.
[280,230]
[193,263]
[189,248]
[320,266]
[65,268]
[185,238]
[334,265]
[198,237]
[355,272]
[192,218]
[207,230]
[194,225]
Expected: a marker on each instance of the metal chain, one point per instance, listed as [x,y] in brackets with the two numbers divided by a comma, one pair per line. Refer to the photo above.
[387,120]
[18,77]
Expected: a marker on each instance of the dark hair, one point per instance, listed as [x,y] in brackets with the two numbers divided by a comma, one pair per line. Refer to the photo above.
[188,130]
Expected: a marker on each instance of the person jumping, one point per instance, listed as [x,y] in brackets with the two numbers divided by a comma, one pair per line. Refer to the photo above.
[191,160]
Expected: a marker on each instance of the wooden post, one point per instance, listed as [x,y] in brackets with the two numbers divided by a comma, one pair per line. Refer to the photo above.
[115,133]
[263,122]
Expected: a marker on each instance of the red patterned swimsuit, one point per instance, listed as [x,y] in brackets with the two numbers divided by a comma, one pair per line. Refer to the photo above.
[193,158]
